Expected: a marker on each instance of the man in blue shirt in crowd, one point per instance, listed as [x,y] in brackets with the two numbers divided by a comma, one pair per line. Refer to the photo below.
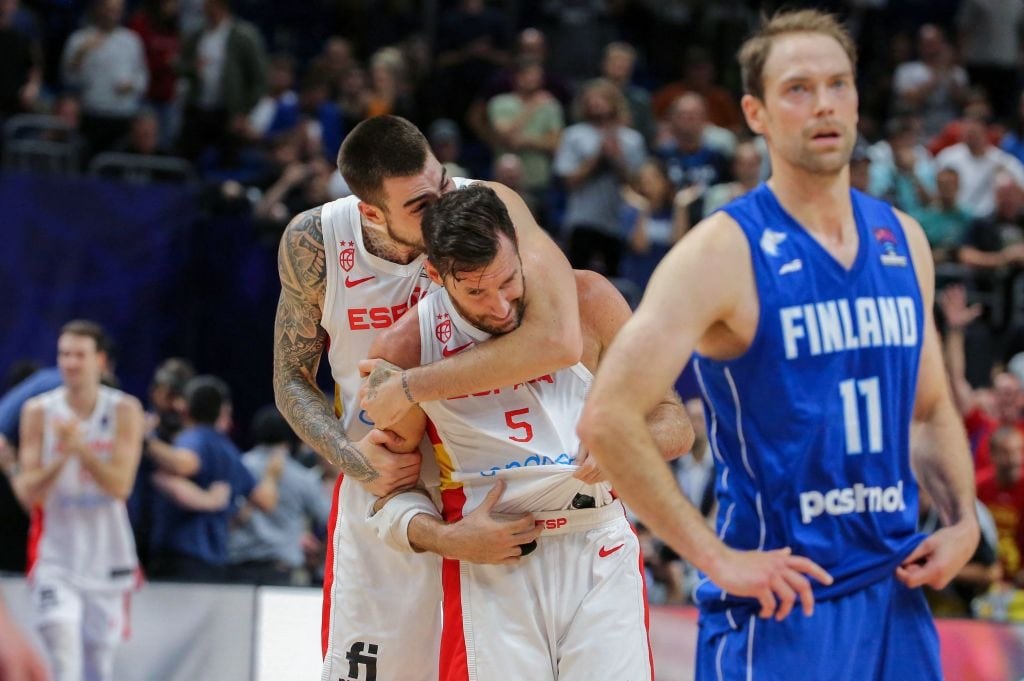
[200,478]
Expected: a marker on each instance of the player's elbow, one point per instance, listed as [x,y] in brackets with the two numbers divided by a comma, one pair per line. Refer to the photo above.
[594,426]
[564,346]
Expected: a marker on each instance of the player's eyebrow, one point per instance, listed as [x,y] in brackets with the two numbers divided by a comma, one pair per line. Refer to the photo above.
[425,195]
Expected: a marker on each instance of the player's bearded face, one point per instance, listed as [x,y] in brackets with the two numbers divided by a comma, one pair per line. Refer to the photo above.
[493,323]
[491,298]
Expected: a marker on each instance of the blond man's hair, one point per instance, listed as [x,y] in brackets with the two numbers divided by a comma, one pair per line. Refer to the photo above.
[754,52]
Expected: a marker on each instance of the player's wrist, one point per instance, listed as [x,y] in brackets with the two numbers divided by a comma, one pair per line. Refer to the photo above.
[406,390]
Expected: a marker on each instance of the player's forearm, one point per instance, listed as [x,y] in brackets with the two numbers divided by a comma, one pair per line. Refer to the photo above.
[628,455]
[670,429]
[174,460]
[115,480]
[428,533]
[517,357]
[306,409]
[32,486]
[943,465]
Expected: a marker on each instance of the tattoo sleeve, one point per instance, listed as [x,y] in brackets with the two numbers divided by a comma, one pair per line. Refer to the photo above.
[299,342]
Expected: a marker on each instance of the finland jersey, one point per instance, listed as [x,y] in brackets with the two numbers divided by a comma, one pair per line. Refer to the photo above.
[810,426]
[81,534]
[525,434]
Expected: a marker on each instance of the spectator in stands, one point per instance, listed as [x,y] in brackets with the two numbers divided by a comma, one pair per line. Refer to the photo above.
[334,62]
[390,89]
[225,67]
[156,22]
[617,66]
[902,170]
[746,171]
[20,65]
[106,64]
[446,143]
[143,137]
[1013,141]
[996,240]
[594,158]
[1001,489]
[983,411]
[473,43]
[934,86]
[977,106]
[978,162]
[191,514]
[944,221]
[320,119]
[164,420]
[860,166]
[699,78]
[354,97]
[278,110]
[688,159]
[528,122]
[267,548]
[976,577]
[990,44]
[651,222]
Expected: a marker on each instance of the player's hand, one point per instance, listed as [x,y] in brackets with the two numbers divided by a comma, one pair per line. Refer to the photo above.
[589,471]
[938,559]
[775,578]
[483,536]
[388,472]
[382,395]
[69,435]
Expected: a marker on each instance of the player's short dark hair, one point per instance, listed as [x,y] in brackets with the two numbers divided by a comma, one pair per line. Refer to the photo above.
[270,428]
[754,52]
[89,329]
[205,395]
[377,149]
[461,230]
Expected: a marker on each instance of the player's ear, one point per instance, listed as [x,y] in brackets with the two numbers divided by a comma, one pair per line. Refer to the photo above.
[372,213]
[753,110]
[434,275]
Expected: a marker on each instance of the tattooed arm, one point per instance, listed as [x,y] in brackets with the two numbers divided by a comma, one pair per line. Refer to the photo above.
[299,341]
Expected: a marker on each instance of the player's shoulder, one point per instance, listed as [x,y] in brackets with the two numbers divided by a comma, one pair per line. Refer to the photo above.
[126,404]
[717,236]
[590,284]
[306,226]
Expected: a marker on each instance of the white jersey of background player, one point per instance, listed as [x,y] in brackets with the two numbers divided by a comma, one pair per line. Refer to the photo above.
[348,270]
[80,450]
[575,608]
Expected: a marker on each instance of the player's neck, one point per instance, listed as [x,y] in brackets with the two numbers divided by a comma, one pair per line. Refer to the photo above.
[82,399]
[378,243]
[820,203]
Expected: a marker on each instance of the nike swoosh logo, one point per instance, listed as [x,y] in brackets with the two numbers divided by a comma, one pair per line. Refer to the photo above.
[349,282]
[454,351]
[604,553]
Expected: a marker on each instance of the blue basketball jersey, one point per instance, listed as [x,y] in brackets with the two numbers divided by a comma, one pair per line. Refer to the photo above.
[810,427]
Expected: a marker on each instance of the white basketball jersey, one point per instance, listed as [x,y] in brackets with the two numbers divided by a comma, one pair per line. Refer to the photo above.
[364,295]
[524,433]
[82,534]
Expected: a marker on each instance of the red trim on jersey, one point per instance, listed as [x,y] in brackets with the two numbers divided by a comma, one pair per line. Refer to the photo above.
[432,434]
[454,665]
[647,605]
[332,524]
[35,536]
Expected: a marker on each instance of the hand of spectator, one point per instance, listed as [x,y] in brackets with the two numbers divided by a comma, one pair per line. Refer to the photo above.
[904,159]
[610,146]
[296,173]
[953,303]
[382,395]
[28,94]
[483,536]
[389,472]
[938,559]
[589,471]
[775,578]
[125,87]
[1014,254]
[275,465]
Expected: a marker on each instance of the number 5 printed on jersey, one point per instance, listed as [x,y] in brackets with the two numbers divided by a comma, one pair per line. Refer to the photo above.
[519,425]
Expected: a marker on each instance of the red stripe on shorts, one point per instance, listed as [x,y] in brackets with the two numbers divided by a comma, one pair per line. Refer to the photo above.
[35,535]
[332,524]
[454,665]
[647,605]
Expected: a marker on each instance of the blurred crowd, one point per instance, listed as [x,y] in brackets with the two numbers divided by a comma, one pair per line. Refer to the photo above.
[619,122]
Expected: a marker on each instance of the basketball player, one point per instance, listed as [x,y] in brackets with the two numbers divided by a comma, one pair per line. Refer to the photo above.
[349,269]
[815,351]
[575,608]
[80,448]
